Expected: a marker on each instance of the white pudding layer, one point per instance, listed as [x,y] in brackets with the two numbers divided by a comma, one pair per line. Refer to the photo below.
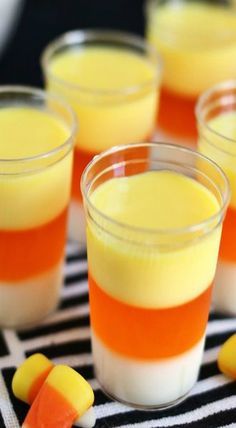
[77,223]
[26,302]
[224,294]
[146,383]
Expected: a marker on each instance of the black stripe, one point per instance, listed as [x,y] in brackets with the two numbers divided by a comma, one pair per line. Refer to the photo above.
[19,407]
[70,348]
[217,316]
[2,425]
[101,398]
[75,257]
[54,328]
[3,346]
[86,371]
[102,424]
[190,404]
[76,277]
[217,339]
[74,301]
[208,370]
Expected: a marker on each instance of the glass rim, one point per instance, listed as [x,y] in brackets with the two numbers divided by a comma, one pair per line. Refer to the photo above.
[193,35]
[169,231]
[203,98]
[81,36]
[43,95]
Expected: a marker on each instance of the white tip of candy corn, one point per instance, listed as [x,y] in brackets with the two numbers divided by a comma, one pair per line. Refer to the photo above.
[87,420]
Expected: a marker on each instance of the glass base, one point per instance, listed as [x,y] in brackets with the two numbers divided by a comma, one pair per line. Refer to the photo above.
[32,324]
[142,407]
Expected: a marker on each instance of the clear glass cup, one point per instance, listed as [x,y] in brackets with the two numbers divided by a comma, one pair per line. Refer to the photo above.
[150,289]
[110,114]
[197,40]
[35,180]
[216,117]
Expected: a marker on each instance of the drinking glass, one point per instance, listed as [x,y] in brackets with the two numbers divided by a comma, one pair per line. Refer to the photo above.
[216,117]
[37,136]
[150,288]
[112,80]
[197,40]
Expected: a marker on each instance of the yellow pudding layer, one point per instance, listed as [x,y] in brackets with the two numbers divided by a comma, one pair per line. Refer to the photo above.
[220,146]
[148,275]
[29,189]
[115,94]
[197,41]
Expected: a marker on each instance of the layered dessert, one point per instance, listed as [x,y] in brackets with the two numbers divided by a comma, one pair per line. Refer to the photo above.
[198,43]
[113,90]
[218,141]
[35,183]
[150,295]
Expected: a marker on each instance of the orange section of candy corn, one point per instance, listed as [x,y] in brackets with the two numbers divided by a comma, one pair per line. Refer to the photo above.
[50,409]
[30,376]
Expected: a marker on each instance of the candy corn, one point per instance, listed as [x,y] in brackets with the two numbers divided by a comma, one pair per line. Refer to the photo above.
[227,357]
[30,376]
[59,396]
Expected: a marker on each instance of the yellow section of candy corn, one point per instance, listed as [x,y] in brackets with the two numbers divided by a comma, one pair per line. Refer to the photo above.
[227,357]
[28,375]
[74,388]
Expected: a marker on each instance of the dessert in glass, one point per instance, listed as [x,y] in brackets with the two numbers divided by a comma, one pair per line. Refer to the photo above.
[37,136]
[197,40]
[216,116]
[111,80]
[154,215]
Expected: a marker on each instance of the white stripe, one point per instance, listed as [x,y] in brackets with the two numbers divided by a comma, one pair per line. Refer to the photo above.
[188,417]
[76,290]
[77,266]
[7,411]
[79,360]
[16,352]
[58,338]
[67,314]
[221,326]
[110,409]
[210,355]
[209,384]
[73,247]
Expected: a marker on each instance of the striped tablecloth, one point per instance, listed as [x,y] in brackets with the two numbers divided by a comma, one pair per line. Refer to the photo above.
[65,338]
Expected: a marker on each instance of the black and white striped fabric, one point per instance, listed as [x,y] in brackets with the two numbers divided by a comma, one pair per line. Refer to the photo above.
[65,338]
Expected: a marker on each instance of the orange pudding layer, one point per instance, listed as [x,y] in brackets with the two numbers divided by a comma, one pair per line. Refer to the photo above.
[81,160]
[228,240]
[144,332]
[176,114]
[29,252]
